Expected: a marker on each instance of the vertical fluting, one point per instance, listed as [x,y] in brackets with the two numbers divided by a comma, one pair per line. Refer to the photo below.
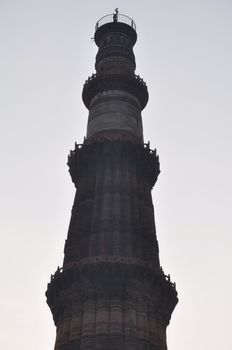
[76,323]
[142,325]
[129,325]
[94,218]
[88,324]
[116,323]
[111,293]
[102,323]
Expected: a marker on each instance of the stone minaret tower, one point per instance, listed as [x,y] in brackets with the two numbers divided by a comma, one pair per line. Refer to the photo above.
[111,293]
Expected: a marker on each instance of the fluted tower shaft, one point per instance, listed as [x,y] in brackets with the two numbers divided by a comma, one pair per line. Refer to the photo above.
[114,95]
[111,292]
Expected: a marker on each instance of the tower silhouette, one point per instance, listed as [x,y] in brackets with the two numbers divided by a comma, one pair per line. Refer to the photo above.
[111,292]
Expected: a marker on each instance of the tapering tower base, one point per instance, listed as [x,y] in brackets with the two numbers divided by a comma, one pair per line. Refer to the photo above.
[112,293]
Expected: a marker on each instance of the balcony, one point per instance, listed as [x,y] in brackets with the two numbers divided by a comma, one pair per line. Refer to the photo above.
[115,17]
[98,83]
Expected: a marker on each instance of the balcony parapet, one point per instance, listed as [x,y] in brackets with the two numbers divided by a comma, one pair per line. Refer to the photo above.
[95,75]
[97,83]
[114,260]
[115,17]
[82,156]
[159,290]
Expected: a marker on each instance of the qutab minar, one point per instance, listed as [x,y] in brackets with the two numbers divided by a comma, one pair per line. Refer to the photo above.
[111,292]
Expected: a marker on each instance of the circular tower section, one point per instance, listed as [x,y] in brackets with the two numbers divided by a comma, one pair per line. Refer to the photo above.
[115,95]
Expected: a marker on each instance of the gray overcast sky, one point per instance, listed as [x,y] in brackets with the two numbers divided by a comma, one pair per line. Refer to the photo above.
[184,53]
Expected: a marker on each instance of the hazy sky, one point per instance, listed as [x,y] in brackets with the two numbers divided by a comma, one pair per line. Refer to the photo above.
[184,53]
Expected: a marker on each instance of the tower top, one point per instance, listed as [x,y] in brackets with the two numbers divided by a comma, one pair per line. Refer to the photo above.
[115,95]
[115,22]
[116,17]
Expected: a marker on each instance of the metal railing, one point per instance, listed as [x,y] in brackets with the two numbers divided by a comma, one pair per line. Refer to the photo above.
[114,259]
[115,17]
[95,75]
